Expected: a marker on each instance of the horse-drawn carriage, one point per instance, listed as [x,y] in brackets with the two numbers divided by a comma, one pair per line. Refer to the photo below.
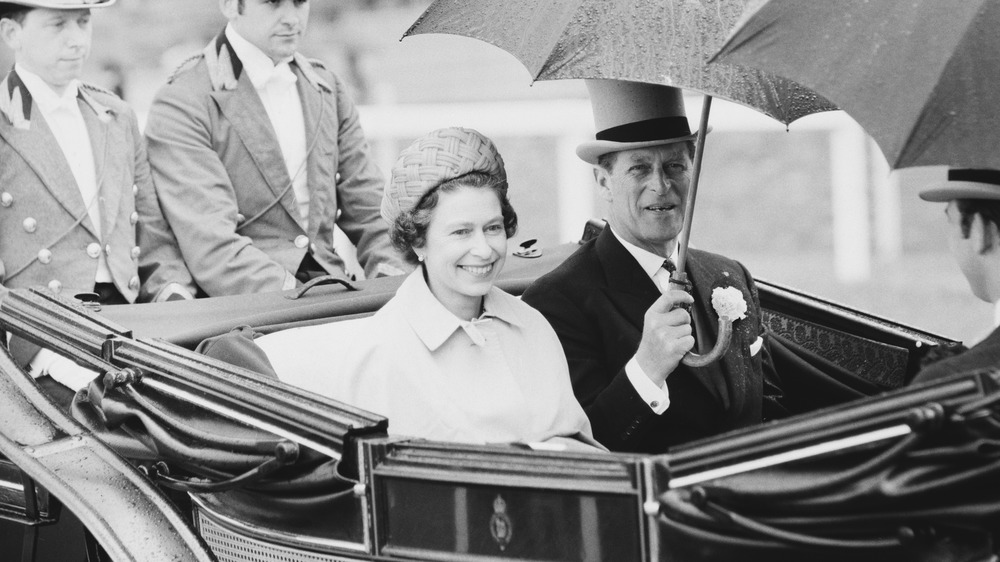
[172,455]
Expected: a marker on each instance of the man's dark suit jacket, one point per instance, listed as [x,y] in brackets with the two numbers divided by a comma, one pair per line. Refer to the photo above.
[596,301]
[984,355]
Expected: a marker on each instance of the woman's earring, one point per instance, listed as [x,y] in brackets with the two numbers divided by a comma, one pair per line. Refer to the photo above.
[420,258]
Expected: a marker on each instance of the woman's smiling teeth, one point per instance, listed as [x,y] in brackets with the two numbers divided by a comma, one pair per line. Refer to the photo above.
[478,270]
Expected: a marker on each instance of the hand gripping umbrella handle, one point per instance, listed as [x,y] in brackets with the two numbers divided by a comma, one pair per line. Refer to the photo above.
[679,280]
[721,345]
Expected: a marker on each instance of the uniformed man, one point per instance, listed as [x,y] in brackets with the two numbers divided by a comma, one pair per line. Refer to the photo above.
[74,179]
[256,154]
[972,217]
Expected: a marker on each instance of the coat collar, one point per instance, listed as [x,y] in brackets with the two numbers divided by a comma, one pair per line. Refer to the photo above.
[434,324]
[16,102]
[225,67]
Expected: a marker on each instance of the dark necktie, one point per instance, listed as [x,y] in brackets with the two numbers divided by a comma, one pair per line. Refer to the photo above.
[669,266]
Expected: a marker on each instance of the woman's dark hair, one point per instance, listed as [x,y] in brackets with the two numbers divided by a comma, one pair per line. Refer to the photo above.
[409,230]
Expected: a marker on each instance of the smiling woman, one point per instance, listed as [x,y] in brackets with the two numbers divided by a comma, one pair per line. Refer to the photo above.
[450,356]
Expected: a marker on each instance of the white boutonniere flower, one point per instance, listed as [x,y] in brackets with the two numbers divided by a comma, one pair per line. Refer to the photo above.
[728,302]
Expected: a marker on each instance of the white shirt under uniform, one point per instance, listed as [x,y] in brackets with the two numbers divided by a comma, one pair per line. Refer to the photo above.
[275,84]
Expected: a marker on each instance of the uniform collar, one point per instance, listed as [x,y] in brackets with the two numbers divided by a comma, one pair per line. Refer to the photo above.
[225,67]
[22,88]
[648,261]
[434,324]
[43,94]
[15,101]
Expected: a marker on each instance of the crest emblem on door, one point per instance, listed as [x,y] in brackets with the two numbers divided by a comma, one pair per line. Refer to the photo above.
[501,527]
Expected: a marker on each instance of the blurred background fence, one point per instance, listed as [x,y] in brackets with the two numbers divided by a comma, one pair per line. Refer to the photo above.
[813,206]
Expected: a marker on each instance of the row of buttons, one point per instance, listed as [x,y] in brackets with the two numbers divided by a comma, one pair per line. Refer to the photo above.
[31,225]
[56,286]
[93,250]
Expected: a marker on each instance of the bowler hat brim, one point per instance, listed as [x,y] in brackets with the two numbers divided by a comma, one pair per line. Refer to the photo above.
[59,4]
[950,190]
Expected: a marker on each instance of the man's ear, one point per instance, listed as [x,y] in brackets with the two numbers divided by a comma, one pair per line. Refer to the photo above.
[229,8]
[603,179]
[10,33]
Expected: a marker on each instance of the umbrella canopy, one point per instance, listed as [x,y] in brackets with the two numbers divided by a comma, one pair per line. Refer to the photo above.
[921,76]
[665,42]
[656,41]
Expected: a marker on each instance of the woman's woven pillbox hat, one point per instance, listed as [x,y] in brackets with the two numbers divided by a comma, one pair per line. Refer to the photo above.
[433,159]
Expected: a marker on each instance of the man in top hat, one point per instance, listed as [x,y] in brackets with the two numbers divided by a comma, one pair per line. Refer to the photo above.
[623,327]
[973,232]
[256,153]
[77,209]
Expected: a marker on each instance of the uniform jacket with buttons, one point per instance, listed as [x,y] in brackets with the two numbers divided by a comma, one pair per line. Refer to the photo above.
[47,238]
[224,187]
[596,301]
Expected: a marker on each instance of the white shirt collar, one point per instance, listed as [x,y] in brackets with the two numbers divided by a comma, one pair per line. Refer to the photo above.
[433,323]
[648,261]
[43,94]
[256,64]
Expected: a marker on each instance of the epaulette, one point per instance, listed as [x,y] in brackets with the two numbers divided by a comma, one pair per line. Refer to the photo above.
[308,68]
[184,66]
[98,89]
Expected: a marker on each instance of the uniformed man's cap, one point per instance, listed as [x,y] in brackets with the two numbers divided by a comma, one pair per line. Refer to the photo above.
[964,183]
[6,5]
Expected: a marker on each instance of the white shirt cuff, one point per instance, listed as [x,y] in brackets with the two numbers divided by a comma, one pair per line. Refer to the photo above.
[656,397]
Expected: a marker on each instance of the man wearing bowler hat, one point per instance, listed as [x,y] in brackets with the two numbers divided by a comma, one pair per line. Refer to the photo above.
[623,327]
[973,232]
[77,209]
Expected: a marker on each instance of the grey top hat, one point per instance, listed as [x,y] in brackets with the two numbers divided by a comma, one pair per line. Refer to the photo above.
[965,183]
[630,115]
[58,4]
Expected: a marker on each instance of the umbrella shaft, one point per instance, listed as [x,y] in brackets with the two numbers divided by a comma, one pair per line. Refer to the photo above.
[699,150]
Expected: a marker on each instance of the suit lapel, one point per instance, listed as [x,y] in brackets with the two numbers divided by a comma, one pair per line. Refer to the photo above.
[318,114]
[238,101]
[97,118]
[629,288]
[714,376]
[39,148]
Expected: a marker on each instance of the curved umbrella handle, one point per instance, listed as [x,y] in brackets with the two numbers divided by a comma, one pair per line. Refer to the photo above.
[721,345]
